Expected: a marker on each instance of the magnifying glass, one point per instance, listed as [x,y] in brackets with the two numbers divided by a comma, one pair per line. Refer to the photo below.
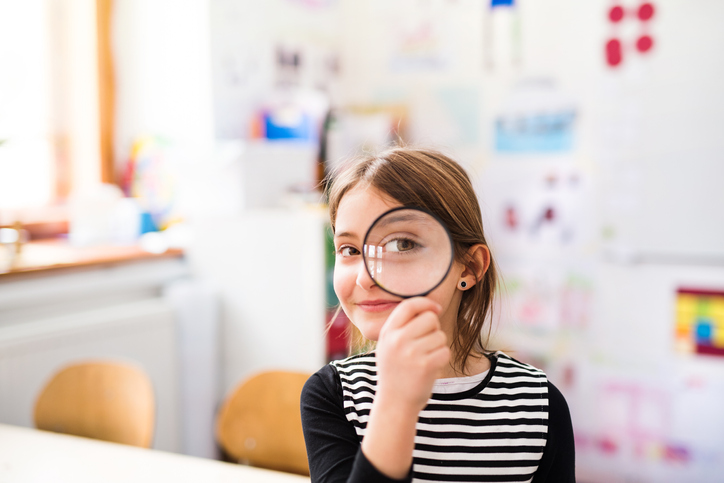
[408,251]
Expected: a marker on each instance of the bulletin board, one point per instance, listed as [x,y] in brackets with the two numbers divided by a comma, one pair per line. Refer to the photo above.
[601,197]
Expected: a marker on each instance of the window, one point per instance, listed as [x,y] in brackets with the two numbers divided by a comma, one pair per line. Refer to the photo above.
[56,103]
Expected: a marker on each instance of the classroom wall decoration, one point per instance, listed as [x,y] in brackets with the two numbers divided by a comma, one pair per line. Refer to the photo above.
[644,42]
[542,298]
[648,426]
[151,178]
[643,413]
[700,321]
[538,214]
[422,37]
[538,117]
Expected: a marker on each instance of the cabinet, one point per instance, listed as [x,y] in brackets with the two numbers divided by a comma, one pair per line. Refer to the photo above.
[268,268]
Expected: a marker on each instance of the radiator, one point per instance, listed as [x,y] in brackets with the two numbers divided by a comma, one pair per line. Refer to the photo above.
[140,331]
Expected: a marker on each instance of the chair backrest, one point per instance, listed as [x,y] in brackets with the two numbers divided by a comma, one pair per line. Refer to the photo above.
[260,423]
[101,400]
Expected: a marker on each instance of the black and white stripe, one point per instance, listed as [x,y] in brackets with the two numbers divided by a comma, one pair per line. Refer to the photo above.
[494,432]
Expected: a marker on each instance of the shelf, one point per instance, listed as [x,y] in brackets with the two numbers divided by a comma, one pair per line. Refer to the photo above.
[53,255]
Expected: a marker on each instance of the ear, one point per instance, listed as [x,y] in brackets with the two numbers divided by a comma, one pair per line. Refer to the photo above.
[477,263]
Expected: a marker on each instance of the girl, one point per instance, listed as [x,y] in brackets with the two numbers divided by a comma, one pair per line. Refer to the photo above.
[430,402]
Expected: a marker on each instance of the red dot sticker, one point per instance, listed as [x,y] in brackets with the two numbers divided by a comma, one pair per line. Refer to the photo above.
[644,43]
[646,11]
[549,214]
[616,14]
[613,52]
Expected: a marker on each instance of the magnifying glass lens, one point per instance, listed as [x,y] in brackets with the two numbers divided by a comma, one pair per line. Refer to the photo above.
[408,252]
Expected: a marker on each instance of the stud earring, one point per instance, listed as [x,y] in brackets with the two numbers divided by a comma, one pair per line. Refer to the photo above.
[463,284]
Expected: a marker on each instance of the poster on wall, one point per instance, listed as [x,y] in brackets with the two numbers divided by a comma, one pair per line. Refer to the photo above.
[537,211]
[422,36]
[700,321]
[635,424]
[538,117]
[544,298]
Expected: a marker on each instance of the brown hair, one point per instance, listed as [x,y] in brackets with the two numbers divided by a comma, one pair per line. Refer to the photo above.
[431,180]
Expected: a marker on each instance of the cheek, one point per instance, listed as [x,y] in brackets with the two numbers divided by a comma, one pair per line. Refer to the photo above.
[343,282]
[443,295]
[447,290]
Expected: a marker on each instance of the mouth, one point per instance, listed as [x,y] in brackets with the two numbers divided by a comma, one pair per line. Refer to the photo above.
[377,305]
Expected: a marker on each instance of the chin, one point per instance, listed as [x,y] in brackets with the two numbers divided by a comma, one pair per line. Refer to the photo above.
[370,329]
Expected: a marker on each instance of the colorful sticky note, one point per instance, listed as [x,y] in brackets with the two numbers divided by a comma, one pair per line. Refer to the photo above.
[700,321]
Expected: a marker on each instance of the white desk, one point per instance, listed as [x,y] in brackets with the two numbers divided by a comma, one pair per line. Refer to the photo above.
[32,456]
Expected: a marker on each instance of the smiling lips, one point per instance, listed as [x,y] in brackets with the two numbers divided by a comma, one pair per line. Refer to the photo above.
[377,305]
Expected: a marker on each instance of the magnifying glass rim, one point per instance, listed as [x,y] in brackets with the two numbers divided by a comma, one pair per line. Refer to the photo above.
[427,212]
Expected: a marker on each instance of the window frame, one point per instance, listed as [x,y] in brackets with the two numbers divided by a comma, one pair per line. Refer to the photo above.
[52,220]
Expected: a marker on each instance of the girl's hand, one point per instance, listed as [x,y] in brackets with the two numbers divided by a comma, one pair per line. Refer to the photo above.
[412,351]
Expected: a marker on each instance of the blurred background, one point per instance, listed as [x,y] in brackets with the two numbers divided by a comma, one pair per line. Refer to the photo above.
[160,164]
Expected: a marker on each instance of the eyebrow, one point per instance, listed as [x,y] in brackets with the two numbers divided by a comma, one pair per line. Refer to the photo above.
[344,234]
[418,217]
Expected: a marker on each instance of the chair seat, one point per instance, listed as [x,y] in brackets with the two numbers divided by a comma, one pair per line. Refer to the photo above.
[260,423]
[103,400]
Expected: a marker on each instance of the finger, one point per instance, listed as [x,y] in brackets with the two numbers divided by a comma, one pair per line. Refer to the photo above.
[409,309]
[421,325]
[430,342]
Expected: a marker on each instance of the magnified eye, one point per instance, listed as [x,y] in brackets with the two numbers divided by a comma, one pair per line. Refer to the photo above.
[401,245]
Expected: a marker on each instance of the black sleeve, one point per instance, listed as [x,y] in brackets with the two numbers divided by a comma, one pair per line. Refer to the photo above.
[333,448]
[559,457]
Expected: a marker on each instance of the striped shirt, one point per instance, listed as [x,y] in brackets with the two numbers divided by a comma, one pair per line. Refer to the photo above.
[497,428]
[496,431]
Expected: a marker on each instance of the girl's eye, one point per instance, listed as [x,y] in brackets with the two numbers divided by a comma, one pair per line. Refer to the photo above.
[401,245]
[348,251]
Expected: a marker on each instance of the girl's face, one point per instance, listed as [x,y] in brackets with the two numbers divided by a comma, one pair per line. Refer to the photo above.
[367,305]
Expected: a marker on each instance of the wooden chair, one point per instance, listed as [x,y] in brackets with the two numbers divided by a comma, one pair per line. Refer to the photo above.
[260,423]
[101,400]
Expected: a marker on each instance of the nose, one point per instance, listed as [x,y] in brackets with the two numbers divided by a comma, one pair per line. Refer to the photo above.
[363,277]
